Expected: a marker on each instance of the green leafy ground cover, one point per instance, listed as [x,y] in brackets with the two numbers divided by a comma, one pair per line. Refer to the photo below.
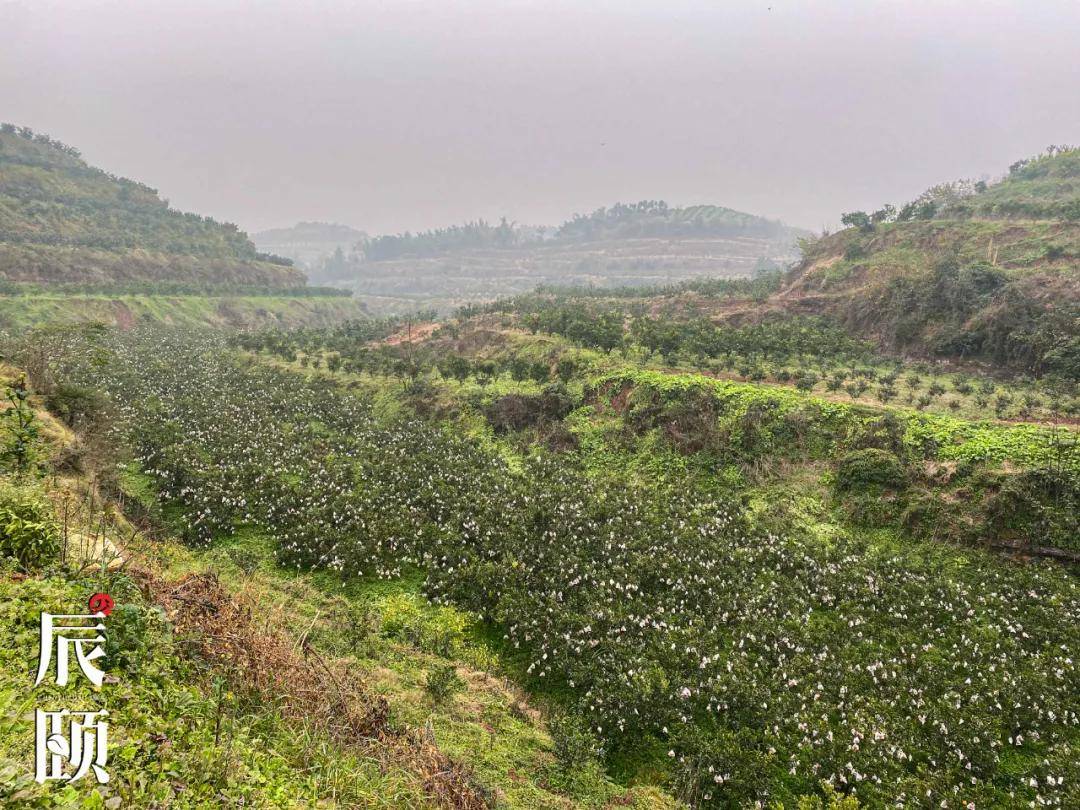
[928,435]
[178,738]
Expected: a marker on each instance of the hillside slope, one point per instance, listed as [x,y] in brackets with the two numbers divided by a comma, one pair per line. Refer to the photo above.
[235,683]
[62,220]
[484,274]
[699,655]
[967,271]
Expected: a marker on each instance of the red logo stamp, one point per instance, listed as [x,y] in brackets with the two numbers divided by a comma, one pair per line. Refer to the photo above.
[101,603]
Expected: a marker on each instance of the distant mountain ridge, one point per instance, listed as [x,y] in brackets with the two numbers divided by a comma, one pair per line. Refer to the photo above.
[62,220]
[639,220]
[307,243]
[654,218]
[626,244]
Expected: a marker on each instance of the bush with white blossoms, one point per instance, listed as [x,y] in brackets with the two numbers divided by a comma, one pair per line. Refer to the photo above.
[767,664]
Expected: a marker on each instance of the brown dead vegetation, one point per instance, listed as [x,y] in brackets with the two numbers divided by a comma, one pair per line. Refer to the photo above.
[219,629]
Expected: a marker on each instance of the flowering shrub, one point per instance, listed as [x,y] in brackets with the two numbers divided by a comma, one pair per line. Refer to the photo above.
[764,663]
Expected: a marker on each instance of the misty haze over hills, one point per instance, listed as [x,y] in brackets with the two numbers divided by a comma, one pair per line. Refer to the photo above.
[642,243]
[63,221]
[408,116]
[308,243]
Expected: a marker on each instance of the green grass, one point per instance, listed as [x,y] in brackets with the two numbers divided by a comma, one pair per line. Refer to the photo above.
[929,435]
[904,246]
[21,312]
[164,712]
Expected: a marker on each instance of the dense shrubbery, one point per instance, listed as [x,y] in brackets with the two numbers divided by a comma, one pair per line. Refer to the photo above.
[923,476]
[809,353]
[758,287]
[777,339]
[1040,506]
[518,411]
[871,469]
[606,326]
[765,663]
[75,404]
[596,327]
[978,311]
[28,529]
[353,347]
[926,290]
[344,345]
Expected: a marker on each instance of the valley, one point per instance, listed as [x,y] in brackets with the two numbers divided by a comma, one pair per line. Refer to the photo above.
[653,510]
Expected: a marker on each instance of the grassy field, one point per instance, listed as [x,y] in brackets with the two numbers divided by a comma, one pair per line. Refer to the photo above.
[25,311]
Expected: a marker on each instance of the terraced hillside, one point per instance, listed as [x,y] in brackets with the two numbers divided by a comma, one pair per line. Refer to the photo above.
[624,245]
[854,634]
[240,311]
[308,243]
[715,543]
[610,554]
[479,275]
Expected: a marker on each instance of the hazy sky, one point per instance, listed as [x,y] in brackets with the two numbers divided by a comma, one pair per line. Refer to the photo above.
[395,115]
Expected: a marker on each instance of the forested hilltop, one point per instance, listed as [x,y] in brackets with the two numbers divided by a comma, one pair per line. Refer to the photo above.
[647,218]
[626,244]
[64,221]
